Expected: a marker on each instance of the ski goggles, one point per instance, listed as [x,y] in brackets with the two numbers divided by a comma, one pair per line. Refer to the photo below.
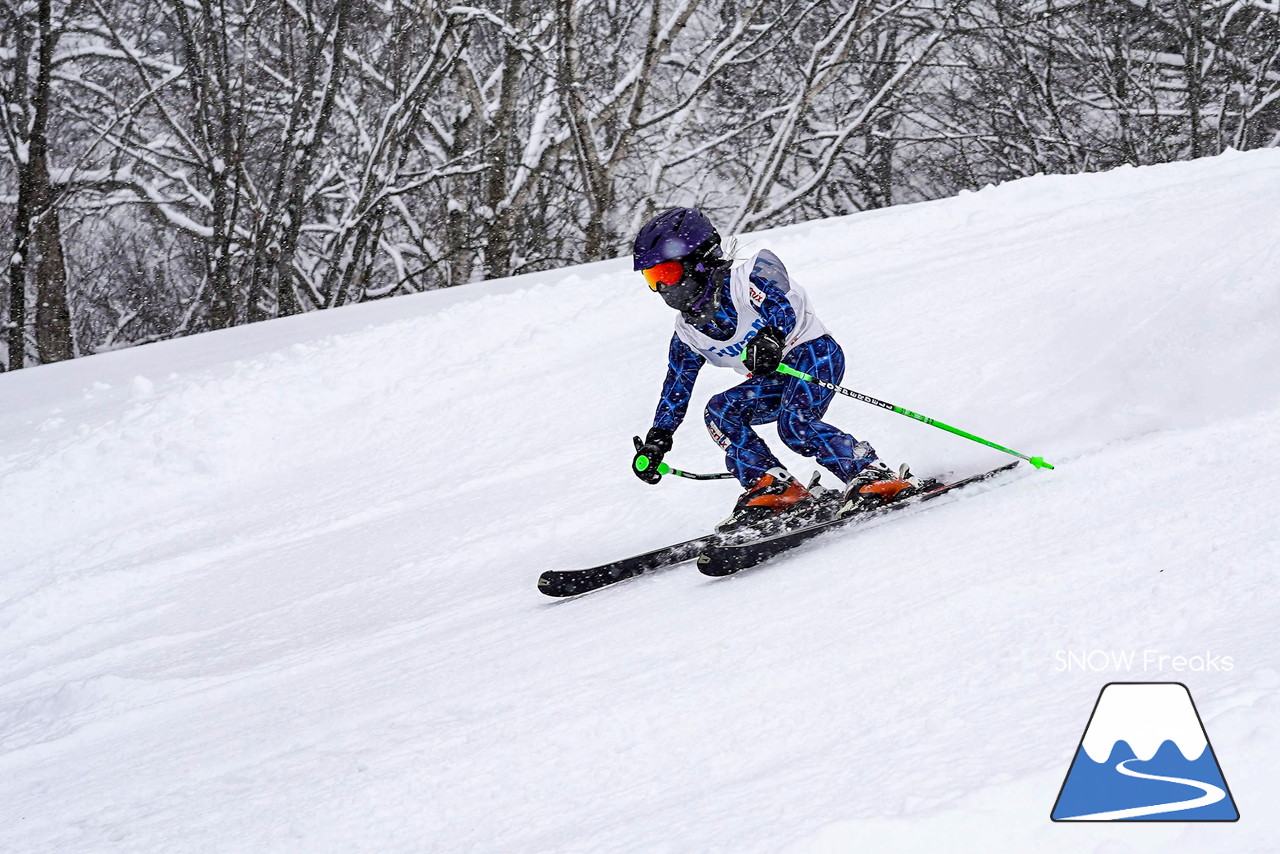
[664,275]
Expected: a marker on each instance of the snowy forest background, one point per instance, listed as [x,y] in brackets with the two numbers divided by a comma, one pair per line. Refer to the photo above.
[175,166]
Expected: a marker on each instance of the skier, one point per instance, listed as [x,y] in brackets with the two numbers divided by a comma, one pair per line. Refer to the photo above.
[755,309]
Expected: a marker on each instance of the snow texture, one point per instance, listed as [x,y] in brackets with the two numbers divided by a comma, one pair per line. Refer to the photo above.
[272,589]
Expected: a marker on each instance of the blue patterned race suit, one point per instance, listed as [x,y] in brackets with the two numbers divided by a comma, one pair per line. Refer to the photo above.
[796,406]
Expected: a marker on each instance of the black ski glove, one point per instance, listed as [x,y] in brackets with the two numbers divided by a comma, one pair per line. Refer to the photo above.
[654,447]
[763,353]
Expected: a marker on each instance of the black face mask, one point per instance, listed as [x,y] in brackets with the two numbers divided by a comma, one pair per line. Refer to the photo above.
[705,308]
[697,294]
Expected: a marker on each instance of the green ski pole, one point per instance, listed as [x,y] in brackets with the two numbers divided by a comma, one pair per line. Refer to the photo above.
[1038,462]
[643,463]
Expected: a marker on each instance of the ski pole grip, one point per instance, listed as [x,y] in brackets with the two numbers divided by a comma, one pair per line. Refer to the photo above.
[792,372]
[643,463]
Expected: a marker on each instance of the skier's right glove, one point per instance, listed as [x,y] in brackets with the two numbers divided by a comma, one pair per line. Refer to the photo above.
[654,447]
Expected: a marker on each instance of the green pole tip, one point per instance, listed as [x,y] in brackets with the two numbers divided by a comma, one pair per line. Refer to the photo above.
[642,463]
[1039,463]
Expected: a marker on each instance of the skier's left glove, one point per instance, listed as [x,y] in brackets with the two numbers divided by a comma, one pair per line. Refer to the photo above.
[654,447]
[763,353]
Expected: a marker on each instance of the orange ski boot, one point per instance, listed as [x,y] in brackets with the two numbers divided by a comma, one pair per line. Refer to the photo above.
[776,497]
[876,485]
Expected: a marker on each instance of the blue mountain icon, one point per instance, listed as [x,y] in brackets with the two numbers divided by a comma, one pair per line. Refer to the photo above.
[1145,756]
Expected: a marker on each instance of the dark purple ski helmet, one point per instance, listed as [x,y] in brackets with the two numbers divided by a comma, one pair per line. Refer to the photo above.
[685,235]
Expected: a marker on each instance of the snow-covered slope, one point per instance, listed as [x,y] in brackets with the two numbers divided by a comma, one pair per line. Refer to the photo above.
[273,589]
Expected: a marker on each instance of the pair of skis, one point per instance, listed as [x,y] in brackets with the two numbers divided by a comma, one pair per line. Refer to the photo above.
[719,554]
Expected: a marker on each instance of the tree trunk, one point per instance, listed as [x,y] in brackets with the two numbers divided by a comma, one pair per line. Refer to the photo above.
[499,244]
[17,324]
[54,341]
[34,200]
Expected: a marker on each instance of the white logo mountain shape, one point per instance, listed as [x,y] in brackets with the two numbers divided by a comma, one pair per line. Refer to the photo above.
[1132,724]
[1145,715]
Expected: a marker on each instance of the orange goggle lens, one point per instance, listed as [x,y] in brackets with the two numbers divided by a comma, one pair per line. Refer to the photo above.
[664,275]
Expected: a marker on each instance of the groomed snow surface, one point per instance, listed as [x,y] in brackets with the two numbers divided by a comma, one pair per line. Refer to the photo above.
[273,589]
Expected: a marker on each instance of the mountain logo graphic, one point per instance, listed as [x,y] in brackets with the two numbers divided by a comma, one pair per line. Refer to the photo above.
[1145,756]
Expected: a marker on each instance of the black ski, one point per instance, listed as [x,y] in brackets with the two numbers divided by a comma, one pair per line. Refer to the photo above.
[727,558]
[574,581]
[560,583]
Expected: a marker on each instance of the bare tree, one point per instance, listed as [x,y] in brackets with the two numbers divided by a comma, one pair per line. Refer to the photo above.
[25,106]
[171,166]
[311,66]
[839,77]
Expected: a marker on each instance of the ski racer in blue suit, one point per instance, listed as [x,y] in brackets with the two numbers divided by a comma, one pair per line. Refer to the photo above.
[750,317]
